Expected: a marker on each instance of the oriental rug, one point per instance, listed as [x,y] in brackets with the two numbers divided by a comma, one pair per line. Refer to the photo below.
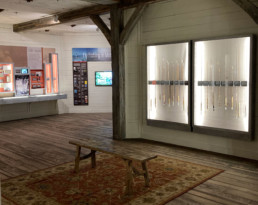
[105,184]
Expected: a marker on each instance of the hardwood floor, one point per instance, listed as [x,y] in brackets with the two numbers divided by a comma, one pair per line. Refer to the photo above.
[38,143]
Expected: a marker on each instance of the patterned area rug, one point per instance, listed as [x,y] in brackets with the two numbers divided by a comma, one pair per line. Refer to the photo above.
[105,184]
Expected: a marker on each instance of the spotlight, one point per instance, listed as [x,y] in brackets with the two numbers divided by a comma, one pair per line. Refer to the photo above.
[56,18]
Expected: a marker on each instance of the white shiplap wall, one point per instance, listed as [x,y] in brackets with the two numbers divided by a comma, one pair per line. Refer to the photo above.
[177,20]
[27,110]
[100,98]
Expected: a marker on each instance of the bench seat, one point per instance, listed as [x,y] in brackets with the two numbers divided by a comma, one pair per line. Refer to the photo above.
[120,149]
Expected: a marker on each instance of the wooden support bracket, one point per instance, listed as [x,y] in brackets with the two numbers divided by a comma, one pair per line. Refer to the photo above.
[249,8]
[102,26]
[131,23]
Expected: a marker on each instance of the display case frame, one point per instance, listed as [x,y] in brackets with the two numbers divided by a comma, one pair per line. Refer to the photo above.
[229,133]
[170,124]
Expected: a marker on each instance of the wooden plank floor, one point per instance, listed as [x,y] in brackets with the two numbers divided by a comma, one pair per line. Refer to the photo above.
[38,143]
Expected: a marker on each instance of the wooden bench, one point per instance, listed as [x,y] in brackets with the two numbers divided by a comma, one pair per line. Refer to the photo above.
[120,149]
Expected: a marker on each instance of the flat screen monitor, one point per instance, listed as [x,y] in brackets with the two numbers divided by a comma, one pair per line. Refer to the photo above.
[103,78]
[24,71]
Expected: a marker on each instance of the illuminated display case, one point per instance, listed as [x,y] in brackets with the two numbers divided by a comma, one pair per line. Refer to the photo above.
[168,92]
[222,77]
[22,81]
[37,82]
[6,78]
[55,79]
[48,78]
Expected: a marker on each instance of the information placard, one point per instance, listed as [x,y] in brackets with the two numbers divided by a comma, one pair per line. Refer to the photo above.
[80,83]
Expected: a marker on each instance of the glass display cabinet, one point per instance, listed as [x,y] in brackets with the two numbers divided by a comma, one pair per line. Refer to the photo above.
[48,78]
[55,79]
[6,78]
[223,87]
[37,82]
[168,92]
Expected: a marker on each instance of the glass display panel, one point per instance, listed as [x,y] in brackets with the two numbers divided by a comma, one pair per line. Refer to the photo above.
[22,85]
[6,77]
[37,79]
[55,72]
[48,78]
[103,78]
[221,83]
[167,76]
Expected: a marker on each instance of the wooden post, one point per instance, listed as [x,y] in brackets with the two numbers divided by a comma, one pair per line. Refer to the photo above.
[146,174]
[118,69]
[129,177]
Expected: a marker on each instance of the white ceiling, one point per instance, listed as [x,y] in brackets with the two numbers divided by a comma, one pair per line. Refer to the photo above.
[18,11]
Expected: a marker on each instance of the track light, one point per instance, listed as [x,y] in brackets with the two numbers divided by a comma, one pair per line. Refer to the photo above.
[56,18]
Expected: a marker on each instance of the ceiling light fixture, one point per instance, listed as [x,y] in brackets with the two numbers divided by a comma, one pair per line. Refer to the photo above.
[56,19]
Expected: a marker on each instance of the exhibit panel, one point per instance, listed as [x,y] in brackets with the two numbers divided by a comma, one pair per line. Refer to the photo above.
[168,84]
[37,82]
[22,81]
[80,83]
[223,87]
[6,78]
[54,61]
[48,77]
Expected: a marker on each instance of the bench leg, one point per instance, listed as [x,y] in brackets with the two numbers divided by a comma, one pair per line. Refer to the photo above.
[129,177]
[146,174]
[93,159]
[77,159]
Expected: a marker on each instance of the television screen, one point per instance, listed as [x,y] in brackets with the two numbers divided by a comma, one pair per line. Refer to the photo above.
[103,78]
[24,71]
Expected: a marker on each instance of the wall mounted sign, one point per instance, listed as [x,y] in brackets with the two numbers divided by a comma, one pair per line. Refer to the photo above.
[80,83]
[91,54]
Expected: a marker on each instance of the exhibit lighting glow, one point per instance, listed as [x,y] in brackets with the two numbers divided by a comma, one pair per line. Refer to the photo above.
[247,44]
[199,97]
[152,63]
[186,78]
[186,61]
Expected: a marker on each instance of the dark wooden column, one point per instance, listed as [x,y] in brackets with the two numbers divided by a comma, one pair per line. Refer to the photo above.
[118,69]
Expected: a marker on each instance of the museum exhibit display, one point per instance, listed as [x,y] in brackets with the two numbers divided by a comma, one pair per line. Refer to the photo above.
[48,78]
[223,87]
[168,92]
[6,79]
[37,82]
[22,81]
[80,83]
[103,78]
[55,79]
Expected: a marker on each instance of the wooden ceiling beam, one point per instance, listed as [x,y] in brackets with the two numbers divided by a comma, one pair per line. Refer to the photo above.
[102,26]
[133,3]
[249,8]
[77,14]
[131,23]
[62,18]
